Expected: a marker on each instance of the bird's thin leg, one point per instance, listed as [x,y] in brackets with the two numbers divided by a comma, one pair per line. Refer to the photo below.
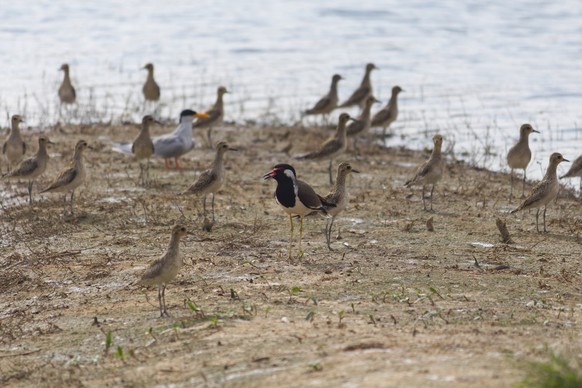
[523,185]
[431,191]
[160,300]
[65,204]
[213,207]
[511,184]
[537,216]
[545,230]
[209,134]
[30,192]
[290,237]
[423,201]
[147,170]
[164,300]
[204,205]
[300,235]
[72,200]
[166,165]
[327,234]
[177,164]
[330,173]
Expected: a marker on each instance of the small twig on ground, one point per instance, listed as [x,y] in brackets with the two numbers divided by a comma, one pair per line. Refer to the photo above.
[505,237]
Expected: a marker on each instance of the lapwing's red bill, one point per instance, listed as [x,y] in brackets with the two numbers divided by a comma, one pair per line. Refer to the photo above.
[272,173]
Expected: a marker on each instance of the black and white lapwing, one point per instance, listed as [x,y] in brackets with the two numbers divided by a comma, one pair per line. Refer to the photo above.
[295,197]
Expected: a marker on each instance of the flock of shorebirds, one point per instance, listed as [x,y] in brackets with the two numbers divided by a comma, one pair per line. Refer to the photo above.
[295,196]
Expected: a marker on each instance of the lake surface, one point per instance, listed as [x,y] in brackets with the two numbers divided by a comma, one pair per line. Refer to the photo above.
[472,70]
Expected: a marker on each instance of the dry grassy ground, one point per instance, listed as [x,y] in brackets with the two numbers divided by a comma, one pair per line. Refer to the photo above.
[392,305]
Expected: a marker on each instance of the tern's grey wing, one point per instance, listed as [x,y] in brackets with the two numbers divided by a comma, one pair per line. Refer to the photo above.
[170,146]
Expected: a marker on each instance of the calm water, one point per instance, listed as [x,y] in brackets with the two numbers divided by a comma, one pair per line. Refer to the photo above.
[473,70]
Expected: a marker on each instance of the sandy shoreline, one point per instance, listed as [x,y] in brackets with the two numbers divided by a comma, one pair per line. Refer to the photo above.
[393,304]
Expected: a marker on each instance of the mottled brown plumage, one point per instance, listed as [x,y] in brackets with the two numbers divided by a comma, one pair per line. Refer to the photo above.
[430,172]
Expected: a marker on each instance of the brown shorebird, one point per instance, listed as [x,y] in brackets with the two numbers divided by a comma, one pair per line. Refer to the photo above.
[387,115]
[362,124]
[339,197]
[545,191]
[431,171]
[363,91]
[215,115]
[70,178]
[575,170]
[67,93]
[210,181]
[328,102]
[143,148]
[332,147]
[295,197]
[151,89]
[165,269]
[32,167]
[519,155]
[14,147]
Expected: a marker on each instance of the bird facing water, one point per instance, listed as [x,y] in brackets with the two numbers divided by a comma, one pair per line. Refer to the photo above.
[358,97]
[165,269]
[211,180]
[215,115]
[430,172]
[339,197]
[67,94]
[295,197]
[151,89]
[545,191]
[519,155]
[32,167]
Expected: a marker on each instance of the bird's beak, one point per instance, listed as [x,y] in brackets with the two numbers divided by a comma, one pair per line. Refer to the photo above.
[232,149]
[201,115]
[565,160]
[356,171]
[51,142]
[269,175]
[158,122]
[91,148]
[354,120]
[533,130]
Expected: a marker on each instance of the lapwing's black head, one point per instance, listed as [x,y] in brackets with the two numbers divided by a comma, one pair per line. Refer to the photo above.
[281,172]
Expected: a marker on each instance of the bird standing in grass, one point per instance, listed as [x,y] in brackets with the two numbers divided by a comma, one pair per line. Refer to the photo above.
[14,147]
[332,147]
[545,191]
[328,102]
[430,172]
[210,181]
[151,89]
[143,148]
[165,269]
[519,155]
[215,115]
[67,94]
[358,97]
[32,167]
[70,178]
[387,115]
[339,197]
[295,197]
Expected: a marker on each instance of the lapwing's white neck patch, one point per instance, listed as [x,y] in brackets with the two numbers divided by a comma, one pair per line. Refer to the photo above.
[291,176]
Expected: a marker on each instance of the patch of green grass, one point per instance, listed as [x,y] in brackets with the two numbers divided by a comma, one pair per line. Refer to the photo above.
[557,372]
